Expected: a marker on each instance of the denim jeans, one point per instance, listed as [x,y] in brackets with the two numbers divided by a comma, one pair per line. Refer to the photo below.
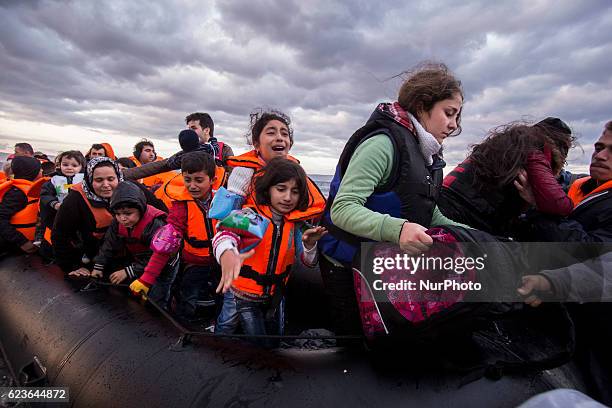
[252,316]
[228,320]
[196,279]
[160,292]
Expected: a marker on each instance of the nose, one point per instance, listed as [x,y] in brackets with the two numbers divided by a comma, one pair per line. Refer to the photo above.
[286,197]
[453,123]
[601,155]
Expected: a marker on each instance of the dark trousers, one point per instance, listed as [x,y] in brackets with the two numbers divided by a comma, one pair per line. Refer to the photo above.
[196,282]
[160,292]
[339,288]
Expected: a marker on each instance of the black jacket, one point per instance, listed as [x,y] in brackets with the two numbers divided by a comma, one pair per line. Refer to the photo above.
[589,222]
[48,199]
[14,200]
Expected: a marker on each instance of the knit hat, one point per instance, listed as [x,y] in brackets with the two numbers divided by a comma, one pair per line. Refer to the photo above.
[189,140]
[555,123]
[27,168]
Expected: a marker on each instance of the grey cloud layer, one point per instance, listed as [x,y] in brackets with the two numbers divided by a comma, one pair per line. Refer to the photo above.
[138,67]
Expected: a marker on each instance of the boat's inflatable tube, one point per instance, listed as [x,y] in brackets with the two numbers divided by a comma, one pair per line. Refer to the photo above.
[113,352]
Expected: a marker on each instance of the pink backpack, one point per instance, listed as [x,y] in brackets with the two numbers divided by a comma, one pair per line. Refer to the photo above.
[415,306]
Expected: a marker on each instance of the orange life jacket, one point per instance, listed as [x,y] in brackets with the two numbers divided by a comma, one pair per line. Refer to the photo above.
[102,216]
[110,153]
[174,188]
[200,231]
[2,176]
[25,220]
[274,256]
[577,196]
[197,240]
[316,200]
[155,179]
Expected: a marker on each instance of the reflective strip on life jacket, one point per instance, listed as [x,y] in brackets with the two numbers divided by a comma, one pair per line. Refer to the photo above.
[200,230]
[274,257]
[577,196]
[102,216]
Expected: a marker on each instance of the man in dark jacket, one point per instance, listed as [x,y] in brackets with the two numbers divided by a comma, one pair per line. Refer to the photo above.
[590,280]
[19,205]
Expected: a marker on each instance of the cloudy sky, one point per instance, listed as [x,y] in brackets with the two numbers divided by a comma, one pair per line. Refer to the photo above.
[77,72]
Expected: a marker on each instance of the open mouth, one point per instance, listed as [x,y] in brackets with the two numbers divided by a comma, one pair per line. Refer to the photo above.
[278,148]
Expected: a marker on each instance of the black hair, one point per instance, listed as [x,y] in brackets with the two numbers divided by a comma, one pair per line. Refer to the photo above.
[25,146]
[126,204]
[139,146]
[204,119]
[280,170]
[193,162]
[71,154]
[48,168]
[260,119]
[125,162]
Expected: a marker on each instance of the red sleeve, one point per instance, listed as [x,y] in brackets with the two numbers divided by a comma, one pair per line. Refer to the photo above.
[178,216]
[154,267]
[549,195]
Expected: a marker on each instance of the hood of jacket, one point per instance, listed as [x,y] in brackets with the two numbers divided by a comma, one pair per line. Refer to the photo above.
[128,192]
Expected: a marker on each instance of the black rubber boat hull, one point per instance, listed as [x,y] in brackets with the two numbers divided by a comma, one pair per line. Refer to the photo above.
[113,352]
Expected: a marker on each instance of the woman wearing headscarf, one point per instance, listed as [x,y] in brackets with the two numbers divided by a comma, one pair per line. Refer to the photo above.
[84,216]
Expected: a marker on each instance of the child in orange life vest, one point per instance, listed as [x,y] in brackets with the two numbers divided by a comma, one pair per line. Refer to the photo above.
[256,279]
[19,205]
[125,249]
[188,218]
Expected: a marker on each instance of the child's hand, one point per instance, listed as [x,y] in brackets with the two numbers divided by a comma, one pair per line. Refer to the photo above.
[140,288]
[312,235]
[96,274]
[230,268]
[118,276]
[56,206]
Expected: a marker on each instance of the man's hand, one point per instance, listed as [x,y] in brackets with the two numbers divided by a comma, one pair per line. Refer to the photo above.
[531,283]
[231,262]
[80,272]
[413,239]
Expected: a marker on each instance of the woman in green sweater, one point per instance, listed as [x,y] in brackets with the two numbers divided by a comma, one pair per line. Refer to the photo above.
[387,181]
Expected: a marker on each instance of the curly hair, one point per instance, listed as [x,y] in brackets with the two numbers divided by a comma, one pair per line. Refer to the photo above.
[427,84]
[498,159]
[259,120]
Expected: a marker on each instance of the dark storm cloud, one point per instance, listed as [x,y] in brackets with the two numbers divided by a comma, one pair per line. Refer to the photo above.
[137,68]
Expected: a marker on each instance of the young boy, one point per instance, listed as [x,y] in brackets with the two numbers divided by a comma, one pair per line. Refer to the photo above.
[19,205]
[188,219]
[125,251]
